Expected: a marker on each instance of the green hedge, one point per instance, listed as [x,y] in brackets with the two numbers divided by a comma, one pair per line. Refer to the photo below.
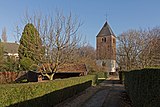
[43,94]
[143,87]
[122,76]
[100,74]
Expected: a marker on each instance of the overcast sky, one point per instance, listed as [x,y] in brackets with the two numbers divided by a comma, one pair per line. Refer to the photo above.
[122,15]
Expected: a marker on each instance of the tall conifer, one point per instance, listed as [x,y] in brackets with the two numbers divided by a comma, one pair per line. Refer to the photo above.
[31,44]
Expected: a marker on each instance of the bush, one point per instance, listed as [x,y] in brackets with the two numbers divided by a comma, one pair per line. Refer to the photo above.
[43,93]
[122,76]
[94,79]
[143,87]
[100,74]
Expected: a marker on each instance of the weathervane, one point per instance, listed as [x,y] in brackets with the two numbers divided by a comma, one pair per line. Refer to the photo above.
[106,15]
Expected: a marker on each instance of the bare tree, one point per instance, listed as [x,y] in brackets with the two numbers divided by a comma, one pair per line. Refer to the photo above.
[17,34]
[87,54]
[138,49]
[128,49]
[4,35]
[2,61]
[150,54]
[60,38]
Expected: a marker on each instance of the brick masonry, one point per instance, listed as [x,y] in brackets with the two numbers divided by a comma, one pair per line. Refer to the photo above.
[106,48]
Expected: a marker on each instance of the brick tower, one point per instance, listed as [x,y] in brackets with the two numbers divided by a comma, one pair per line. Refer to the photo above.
[106,48]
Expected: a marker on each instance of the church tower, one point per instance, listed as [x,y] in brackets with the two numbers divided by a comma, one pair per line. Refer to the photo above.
[106,48]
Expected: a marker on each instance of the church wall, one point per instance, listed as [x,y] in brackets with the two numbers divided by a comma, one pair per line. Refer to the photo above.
[110,65]
[106,49]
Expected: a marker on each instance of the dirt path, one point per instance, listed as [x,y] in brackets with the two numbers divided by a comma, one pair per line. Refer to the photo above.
[106,94]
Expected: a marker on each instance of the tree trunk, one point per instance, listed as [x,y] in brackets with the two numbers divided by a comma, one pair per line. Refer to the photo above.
[51,76]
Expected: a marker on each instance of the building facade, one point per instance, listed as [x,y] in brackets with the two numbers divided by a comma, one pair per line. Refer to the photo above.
[106,48]
[10,49]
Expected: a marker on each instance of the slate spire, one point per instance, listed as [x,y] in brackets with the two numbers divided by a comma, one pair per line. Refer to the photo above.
[106,30]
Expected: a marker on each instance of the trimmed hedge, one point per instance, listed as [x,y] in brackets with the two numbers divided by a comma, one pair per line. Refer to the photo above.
[43,94]
[100,74]
[122,76]
[143,87]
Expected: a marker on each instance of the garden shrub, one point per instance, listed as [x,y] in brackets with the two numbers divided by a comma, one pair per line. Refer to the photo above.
[43,93]
[100,74]
[122,76]
[143,87]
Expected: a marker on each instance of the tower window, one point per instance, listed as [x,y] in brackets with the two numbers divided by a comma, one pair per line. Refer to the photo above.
[114,41]
[103,64]
[103,39]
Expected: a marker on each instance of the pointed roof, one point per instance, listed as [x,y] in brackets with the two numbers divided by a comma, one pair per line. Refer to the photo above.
[106,30]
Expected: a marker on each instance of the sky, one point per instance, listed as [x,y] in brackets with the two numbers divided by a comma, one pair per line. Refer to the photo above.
[121,15]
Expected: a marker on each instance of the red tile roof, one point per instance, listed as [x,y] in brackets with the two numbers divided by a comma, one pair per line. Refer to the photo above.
[72,68]
[66,68]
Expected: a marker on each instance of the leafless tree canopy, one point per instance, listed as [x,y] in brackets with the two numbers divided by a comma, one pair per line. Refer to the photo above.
[17,34]
[4,35]
[139,49]
[60,38]
[87,54]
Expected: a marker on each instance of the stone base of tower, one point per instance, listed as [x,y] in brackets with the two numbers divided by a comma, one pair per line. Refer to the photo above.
[110,65]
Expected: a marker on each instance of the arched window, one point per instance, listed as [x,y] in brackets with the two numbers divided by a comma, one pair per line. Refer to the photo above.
[103,64]
[104,39]
[114,41]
